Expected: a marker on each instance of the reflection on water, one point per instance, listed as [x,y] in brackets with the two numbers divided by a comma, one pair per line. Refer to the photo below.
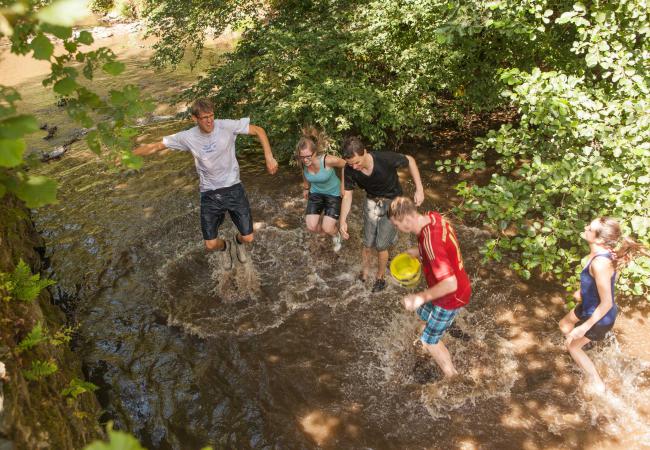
[290,350]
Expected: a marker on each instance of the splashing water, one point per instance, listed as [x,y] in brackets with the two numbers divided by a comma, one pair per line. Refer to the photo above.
[623,410]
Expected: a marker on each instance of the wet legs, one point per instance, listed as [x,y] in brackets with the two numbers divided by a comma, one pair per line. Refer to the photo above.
[442,357]
[567,324]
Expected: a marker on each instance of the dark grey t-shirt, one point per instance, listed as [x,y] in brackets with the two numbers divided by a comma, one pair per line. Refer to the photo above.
[214,153]
[383,181]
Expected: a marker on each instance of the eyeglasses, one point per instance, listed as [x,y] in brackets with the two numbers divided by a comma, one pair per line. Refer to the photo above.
[206,117]
[304,157]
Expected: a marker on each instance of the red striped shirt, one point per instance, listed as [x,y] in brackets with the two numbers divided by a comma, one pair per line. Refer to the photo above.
[441,259]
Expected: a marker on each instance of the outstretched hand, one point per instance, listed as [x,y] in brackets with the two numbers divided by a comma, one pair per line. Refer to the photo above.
[271,165]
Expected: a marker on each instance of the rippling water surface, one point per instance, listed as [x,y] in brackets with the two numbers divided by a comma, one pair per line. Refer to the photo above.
[290,350]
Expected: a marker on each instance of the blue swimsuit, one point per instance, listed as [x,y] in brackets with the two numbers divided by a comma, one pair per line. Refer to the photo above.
[591,300]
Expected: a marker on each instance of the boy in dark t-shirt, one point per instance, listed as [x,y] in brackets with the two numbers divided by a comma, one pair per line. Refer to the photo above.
[449,287]
[376,173]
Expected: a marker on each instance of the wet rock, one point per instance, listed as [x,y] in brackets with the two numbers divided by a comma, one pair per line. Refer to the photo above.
[51,131]
[57,153]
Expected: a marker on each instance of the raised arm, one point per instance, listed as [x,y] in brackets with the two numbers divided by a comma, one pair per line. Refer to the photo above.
[418,198]
[271,163]
[149,149]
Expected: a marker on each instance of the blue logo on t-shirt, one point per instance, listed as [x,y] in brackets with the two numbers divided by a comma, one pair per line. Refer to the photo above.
[209,147]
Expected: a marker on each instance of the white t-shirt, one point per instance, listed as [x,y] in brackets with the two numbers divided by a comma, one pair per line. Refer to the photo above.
[214,153]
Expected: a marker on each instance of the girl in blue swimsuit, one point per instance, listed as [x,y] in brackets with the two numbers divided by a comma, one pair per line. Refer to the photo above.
[321,187]
[592,319]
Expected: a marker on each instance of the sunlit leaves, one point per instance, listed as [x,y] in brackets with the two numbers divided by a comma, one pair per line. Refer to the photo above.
[113,68]
[64,12]
[579,150]
[34,31]
[11,152]
[17,126]
[65,86]
[42,47]
[59,31]
[36,191]
[85,37]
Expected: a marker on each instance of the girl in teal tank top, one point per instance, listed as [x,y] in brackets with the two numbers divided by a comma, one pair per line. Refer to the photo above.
[594,317]
[321,188]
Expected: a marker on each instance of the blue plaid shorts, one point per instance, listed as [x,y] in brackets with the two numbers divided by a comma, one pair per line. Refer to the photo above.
[438,320]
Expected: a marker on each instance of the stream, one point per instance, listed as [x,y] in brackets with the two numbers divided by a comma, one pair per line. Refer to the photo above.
[290,350]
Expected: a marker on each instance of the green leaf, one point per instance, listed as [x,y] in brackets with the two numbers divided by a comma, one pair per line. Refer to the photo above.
[85,37]
[36,191]
[11,152]
[33,338]
[118,440]
[65,86]
[57,30]
[113,68]
[17,126]
[27,286]
[40,369]
[78,387]
[64,12]
[42,47]
[70,46]
[92,139]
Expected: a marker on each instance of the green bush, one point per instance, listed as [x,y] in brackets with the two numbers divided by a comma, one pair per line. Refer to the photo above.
[101,6]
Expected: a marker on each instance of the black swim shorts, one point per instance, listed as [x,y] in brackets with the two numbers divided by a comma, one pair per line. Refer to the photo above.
[214,205]
[330,204]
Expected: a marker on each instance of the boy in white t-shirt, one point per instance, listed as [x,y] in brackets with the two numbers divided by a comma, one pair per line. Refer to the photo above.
[212,144]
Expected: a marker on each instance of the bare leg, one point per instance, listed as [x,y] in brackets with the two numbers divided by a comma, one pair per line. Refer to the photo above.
[313,223]
[580,357]
[382,261]
[215,245]
[329,226]
[442,357]
[365,261]
[568,322]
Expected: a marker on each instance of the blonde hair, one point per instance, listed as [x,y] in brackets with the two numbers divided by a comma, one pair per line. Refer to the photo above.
[401,207]
[624,248]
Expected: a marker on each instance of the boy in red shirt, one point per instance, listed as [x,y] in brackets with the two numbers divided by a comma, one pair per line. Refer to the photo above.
[448,284]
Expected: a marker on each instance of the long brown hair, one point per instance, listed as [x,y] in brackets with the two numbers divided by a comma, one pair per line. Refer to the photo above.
[624,248]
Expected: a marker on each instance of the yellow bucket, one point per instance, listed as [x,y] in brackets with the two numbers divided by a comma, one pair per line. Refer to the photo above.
[405,269]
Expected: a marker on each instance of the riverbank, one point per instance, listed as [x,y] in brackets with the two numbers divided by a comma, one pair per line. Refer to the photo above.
[35,413]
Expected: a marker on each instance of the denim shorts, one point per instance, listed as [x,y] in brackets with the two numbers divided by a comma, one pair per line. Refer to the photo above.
[214,205]
[378,230]
[329,204]
[438,320]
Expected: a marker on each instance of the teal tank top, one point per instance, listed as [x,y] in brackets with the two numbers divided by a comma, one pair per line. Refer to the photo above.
[324,181]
